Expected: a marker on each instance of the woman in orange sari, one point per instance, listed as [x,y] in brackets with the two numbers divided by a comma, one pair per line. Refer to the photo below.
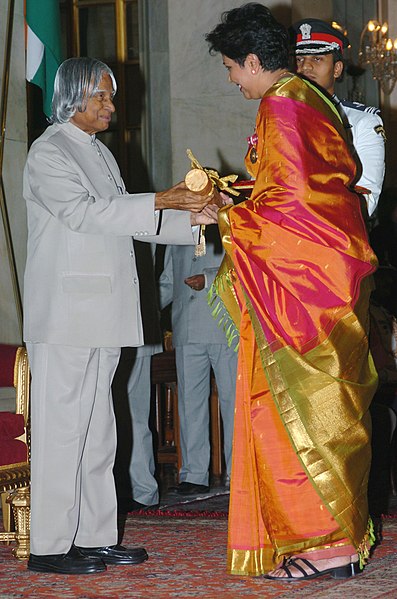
[296,285]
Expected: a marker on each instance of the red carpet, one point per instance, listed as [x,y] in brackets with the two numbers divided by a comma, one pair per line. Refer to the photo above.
[187,559]
[214,505]
[177,513]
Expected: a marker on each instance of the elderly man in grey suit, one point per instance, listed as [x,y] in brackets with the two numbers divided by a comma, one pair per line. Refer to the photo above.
[81,305]
[199,345]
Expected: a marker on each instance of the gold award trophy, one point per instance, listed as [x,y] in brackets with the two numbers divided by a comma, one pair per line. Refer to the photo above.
[203,181]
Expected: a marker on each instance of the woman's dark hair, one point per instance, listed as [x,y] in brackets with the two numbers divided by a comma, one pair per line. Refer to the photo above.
[251,29]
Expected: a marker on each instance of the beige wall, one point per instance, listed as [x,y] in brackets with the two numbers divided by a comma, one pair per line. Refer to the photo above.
[208,114]
[321,9]
[14,158]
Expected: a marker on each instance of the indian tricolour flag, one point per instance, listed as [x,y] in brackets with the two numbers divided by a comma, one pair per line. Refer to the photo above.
[43,51]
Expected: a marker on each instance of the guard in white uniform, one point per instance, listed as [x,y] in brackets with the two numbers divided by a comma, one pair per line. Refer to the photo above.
[319,56]
[369,143]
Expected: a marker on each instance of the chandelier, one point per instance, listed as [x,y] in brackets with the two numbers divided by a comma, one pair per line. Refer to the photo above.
[380,52]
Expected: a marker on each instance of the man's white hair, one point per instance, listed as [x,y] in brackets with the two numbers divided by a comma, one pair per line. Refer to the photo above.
[76,81]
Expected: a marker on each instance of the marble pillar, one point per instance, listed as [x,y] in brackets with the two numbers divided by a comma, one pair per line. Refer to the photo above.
[15,149]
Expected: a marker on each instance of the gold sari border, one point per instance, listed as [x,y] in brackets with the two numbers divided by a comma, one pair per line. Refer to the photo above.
[322,464]
[256,562]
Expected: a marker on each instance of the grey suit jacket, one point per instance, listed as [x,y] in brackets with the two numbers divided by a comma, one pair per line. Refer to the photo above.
[81,283]
[192,321]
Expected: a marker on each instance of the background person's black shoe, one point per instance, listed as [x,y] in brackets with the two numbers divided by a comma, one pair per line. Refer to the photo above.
[130,505]
[186,488]
[116,554]
[136,506]
[73,562]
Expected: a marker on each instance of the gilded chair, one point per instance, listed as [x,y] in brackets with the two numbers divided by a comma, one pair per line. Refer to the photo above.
[14,451]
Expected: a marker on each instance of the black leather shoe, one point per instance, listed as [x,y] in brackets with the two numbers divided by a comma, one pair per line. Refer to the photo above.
[116,554]
[73,562]
[186,488]
[135,506]
[127,505]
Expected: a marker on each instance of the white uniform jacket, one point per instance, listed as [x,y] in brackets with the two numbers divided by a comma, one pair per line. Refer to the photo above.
[369,142]
[81,284]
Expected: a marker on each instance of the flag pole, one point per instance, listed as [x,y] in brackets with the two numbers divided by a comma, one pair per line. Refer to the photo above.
[3,204]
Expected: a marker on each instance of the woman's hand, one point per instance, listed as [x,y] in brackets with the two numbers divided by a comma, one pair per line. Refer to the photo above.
[226,199]
[208,216]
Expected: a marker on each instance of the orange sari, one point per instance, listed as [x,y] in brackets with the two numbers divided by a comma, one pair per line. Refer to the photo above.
[295,285]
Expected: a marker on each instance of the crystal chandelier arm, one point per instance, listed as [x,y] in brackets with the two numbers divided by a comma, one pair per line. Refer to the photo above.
[378,51]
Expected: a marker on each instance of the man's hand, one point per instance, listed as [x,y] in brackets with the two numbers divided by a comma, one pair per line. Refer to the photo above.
[180,198]
[208,216]
[196,282]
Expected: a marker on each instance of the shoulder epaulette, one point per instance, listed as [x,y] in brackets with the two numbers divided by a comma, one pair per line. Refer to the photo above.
[359,106]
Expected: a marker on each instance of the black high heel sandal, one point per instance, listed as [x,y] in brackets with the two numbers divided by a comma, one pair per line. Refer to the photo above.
[339,572]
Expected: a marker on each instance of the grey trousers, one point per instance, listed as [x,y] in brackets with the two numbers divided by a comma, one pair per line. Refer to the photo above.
[193,364]
[142,465]
[73,497]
